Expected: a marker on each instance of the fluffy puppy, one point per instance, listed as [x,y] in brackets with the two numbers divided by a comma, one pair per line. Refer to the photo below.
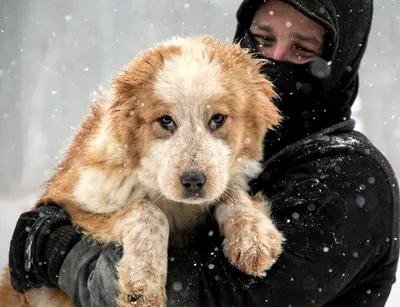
[180,130]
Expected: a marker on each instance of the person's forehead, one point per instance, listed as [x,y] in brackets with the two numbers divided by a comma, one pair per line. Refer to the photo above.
[279,13]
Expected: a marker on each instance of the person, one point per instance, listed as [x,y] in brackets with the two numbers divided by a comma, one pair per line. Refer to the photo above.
[334,196]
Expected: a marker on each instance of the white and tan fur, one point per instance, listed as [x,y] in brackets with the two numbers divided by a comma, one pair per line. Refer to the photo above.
[121,176]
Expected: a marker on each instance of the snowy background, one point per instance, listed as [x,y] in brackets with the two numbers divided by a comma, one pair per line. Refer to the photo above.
[54,53]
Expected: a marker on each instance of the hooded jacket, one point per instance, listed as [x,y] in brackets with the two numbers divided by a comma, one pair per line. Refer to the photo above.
[347,25]
[334,196]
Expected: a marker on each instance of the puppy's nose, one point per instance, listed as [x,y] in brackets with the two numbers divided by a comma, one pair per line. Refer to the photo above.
[193,182]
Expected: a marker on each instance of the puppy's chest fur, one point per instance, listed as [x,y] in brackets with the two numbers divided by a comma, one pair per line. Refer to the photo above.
[103,193]
[183,219]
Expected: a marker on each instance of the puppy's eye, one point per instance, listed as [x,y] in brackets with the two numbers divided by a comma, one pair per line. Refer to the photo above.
[167,122]
[217,121]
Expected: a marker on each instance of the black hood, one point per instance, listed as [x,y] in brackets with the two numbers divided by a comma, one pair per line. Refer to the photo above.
[348,24]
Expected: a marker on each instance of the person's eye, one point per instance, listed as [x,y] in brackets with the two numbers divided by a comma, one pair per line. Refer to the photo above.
[304,52]
[264,41]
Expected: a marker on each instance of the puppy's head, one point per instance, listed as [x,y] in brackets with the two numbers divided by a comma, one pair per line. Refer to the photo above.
[191,115]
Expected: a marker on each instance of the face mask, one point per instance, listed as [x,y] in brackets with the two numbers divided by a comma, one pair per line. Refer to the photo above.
[300,86]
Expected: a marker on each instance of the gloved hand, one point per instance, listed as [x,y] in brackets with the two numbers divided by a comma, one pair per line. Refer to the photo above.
[41,240]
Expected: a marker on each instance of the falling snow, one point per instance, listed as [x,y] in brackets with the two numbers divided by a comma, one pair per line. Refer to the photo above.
[44,86]
[177,286]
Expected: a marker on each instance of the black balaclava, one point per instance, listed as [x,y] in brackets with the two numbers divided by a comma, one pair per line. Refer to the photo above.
[320,93]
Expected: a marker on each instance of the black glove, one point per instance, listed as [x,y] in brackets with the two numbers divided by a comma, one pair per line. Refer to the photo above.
[41,240]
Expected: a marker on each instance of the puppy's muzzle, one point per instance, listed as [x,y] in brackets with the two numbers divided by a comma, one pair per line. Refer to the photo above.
[193,183]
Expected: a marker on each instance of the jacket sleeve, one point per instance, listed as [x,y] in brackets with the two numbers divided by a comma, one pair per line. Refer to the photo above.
[339,251]
[89,274]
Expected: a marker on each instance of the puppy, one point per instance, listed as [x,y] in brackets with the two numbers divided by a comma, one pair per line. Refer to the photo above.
[180,131]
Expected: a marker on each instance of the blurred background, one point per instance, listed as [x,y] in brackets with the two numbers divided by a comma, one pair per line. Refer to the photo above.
[54,53]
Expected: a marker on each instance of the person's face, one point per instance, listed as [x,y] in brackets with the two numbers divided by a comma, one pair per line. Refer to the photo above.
[284,34]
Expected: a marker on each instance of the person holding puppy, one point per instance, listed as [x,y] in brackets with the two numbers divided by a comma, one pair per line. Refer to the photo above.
[334,196]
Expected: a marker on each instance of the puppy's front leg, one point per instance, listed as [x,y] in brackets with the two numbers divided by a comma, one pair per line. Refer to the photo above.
[252,243]
[143,267]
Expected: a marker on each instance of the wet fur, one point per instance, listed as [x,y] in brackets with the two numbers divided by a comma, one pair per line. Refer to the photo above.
[120,178]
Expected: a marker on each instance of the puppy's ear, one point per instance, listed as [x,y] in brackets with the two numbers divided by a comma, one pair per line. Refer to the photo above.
[124,86]
[270,111]
[262,115]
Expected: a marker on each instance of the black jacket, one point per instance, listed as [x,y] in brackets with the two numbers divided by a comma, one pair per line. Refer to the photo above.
[335,198]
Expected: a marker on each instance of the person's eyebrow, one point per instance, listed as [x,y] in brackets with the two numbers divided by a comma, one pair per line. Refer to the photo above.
[263,27]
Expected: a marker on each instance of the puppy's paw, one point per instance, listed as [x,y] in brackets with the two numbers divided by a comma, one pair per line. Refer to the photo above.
[142,280]
[146,294]
[253,246]
[139,300]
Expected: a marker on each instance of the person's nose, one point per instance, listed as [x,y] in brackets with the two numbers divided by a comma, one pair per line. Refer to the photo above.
[279,52]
